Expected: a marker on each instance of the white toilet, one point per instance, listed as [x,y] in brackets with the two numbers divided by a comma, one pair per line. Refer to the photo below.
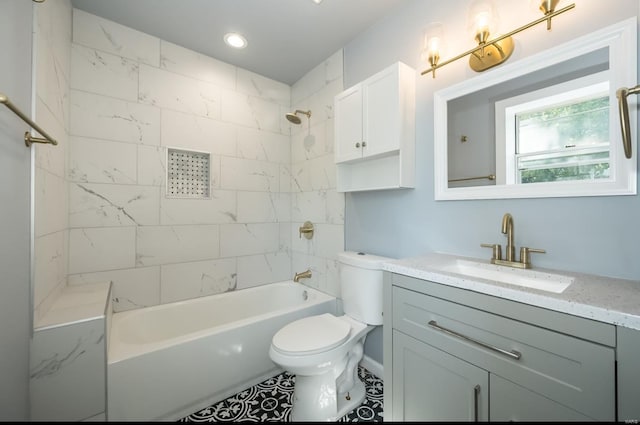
[323,351]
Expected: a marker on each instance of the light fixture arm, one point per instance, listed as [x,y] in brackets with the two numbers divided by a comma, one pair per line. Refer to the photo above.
[545,18]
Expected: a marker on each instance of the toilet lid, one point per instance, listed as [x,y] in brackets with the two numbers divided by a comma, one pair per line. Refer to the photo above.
[315,333]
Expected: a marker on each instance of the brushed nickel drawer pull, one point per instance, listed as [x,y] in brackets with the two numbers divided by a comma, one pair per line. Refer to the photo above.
[513,353]
[476,396]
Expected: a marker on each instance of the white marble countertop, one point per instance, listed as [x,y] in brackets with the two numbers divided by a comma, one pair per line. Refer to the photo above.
[77,303]
[609,300]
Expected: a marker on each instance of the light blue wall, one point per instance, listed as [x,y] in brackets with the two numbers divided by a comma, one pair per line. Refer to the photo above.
[599,235]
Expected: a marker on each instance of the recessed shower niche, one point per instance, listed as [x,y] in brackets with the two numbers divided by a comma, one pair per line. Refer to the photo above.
[188,174]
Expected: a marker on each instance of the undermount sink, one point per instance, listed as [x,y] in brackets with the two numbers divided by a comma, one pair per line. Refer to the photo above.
[543,281]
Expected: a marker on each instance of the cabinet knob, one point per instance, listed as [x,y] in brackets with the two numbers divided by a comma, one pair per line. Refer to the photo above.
[364,144]
[358,145]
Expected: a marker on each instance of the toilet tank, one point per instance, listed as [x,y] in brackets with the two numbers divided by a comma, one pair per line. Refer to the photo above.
[361,285]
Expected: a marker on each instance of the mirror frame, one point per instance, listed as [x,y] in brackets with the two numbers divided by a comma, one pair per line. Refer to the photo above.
[620,39]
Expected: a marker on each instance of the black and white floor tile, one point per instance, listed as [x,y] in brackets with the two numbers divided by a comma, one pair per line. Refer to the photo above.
[270,401]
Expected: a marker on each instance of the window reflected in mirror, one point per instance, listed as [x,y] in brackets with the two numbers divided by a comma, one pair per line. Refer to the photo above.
[544,126]
[511,132]
[559,133]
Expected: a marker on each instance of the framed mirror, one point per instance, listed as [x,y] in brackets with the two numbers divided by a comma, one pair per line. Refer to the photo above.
[545,126]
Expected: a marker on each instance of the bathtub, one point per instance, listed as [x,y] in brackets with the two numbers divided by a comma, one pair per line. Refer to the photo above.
[168,361]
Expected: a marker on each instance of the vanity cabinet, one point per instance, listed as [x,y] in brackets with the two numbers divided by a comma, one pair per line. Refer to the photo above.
[628,357]
[512,402]
[418,391]
[375,131]
[461,355]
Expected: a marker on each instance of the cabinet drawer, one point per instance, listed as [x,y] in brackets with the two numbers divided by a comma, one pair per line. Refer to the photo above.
[573,372]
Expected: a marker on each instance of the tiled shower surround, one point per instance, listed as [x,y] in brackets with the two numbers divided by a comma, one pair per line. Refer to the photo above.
[52,48]
[132,95]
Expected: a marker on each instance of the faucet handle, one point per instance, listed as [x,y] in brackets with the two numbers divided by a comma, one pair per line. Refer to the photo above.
[525,258]
[497,250]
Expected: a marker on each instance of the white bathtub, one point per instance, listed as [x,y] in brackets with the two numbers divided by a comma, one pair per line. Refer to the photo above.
[167,361]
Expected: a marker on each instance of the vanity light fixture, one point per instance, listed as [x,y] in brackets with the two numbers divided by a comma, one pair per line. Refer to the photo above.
[235,40]
[432,45]
[489,52]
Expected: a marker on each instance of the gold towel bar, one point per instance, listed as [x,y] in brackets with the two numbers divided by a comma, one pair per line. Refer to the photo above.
[28,139]
[623,107]
[489,177]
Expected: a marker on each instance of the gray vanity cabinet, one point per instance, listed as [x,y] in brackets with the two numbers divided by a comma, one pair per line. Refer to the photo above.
[628,356]
[454,352]
[512,402]
[460,390]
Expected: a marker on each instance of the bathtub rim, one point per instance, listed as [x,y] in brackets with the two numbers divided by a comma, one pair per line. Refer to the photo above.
[120,351]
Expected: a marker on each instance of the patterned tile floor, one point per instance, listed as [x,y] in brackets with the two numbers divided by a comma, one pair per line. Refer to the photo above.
[270,401]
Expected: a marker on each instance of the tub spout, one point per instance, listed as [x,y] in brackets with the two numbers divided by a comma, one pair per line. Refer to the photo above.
[305,274]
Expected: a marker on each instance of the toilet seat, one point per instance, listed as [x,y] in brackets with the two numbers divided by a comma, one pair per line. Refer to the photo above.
[311,335]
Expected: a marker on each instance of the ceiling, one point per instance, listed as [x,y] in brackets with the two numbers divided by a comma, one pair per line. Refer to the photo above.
[287,38]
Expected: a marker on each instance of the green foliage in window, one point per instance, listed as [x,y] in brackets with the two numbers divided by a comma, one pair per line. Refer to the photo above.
[577,172]
[575,124]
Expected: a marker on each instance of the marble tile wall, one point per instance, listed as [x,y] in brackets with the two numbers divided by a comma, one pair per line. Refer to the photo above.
[313,177]
[101,213]
[132,96]
[68,356]
[52,51]
[68,380]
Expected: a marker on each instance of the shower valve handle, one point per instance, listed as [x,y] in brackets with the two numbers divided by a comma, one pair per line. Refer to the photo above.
[306,229]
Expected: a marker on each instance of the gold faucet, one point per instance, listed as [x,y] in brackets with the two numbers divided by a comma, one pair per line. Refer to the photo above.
[305,274]
[507,229]
[525,257]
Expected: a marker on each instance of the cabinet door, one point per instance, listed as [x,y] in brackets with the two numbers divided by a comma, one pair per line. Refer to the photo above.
[512,402]
[431,385]
[382,113]
[348,125]
[628,374]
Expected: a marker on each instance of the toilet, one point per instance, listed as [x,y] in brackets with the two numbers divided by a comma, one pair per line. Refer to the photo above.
[323,351]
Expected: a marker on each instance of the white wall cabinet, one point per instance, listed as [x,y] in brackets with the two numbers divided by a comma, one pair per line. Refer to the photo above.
[375,132]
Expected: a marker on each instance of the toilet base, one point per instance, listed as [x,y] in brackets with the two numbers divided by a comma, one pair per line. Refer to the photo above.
[356,395]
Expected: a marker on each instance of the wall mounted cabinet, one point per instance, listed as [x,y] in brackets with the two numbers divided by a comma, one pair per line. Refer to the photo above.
[375,132]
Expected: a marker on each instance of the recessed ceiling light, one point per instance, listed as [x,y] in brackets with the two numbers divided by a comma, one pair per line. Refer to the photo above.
[317,1]
[235,40]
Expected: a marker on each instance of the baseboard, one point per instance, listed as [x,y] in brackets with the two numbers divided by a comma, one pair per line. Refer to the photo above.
[372,366]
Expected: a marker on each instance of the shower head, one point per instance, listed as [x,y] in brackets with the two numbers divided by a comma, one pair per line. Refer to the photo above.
[294,118]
